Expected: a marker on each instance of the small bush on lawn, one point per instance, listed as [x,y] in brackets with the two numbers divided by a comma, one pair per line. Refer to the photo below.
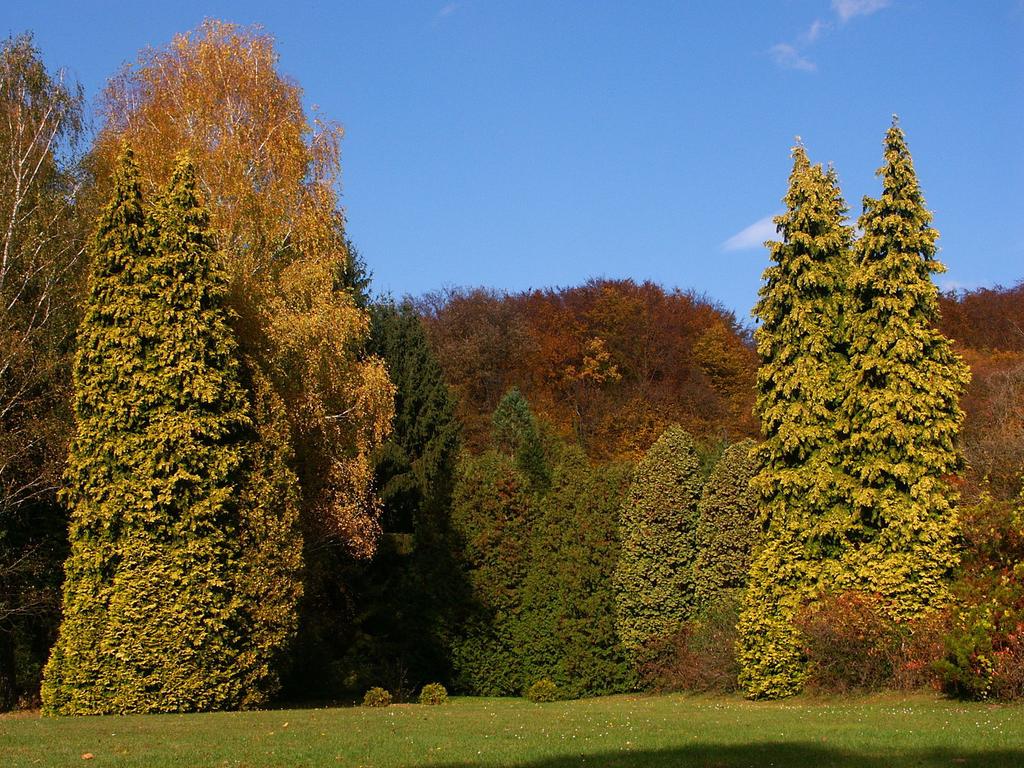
[542,690]
[433,693]
[700,656]
[851,645]
[377,697]
[848,644]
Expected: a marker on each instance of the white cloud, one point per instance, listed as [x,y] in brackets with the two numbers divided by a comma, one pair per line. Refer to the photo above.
[788,57]
[792,56]
[814,31]
[447,10]
[847,9]
[753,236]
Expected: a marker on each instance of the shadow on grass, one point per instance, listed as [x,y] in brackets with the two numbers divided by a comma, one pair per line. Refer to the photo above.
[779,755]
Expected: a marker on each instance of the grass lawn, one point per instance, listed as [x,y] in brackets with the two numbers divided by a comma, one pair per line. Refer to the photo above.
[873,732]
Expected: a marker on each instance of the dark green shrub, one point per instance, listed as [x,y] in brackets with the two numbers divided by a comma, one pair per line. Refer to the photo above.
[433,693]
[377,697]
[542,691]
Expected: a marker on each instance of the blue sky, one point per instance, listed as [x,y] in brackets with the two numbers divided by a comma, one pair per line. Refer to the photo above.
[529,144]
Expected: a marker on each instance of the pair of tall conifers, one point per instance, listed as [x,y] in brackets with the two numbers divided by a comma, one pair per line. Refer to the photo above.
[173,593]
[858,395]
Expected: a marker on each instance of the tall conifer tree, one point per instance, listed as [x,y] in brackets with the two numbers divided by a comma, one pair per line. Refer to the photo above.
[654,578]
[728,533]
[108,357]
[568,630]
[801,486]
[494,513]
[902,402]
[415,475]
[151,617]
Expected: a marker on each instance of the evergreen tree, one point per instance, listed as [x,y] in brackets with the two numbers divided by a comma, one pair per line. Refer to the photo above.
[407,598]
[494,513]
[801,485]
[415,466]
[568,631]
[354,275]
[654,577]
[516,432]
[151,619]
[415,474]
[728,532]
[902,401]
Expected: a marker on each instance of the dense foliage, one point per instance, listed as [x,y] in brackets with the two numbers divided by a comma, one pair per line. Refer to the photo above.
[568,632]
[611,363]
[984,648]
[654,579]
[852,645]
[859,400]
[516,432]
[728,530]
[270,536]
[493,512]
[269,173]
[700,655]
[392,619]
[540,562]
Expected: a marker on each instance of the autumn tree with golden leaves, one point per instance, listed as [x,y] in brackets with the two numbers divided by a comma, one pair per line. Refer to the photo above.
[269,173]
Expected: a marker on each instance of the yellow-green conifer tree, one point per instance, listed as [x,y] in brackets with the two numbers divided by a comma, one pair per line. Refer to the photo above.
[801,485]
[152,617]
[728,533]
[902,403]
[654,588]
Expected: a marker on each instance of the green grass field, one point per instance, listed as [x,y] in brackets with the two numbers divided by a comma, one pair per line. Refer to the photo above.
[666,731]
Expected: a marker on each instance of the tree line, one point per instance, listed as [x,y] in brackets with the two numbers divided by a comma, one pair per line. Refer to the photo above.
[230,475]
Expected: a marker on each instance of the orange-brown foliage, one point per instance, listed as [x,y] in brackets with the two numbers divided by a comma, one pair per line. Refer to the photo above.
[988,326]
[610,362]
